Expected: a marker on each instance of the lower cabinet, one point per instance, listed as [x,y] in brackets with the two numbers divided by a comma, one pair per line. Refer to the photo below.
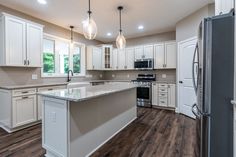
[163,95]
[24,110]
[21,108]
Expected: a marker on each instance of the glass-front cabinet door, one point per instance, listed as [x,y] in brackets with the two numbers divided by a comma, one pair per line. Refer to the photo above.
[107,56]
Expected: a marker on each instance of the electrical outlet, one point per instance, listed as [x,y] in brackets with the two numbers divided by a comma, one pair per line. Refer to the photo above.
[100,75]
[163,75]
[128,76]
[113,75]
[34,76]
[54,117]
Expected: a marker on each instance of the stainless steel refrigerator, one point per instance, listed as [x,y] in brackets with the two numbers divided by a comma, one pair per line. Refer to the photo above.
[213,70]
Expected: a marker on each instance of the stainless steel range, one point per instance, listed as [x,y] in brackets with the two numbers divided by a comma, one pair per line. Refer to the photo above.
[144,91]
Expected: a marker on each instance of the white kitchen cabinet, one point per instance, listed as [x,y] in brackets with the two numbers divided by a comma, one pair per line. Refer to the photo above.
[165,55]
[170,55]
[34,44]
[39,104]
[163,95]
[21,42]
[107,56]
[154,94]
[223,6]
[144,52]
[138,52]
[121,59]
[115,59]
[171,96]
[148,51]
[129,58]
[159,56]
[24,110]
[94,58]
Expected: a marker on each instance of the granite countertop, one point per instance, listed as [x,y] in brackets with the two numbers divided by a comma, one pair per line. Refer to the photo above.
[85,93]
[12,87]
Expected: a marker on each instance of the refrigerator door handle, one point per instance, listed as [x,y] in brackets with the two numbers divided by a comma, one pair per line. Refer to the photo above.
[195,110]
[193,68]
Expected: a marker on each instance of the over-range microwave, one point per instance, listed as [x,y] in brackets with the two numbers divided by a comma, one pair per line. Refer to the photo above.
[144,64]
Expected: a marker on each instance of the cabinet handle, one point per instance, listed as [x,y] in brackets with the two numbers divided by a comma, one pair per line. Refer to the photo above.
[24,62]
[24,92]
[28,62]
[50,89]
[162,101]
[25,97]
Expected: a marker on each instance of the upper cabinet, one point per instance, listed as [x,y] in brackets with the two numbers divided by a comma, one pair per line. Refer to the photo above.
[223,6]
[21,42]
[94,58]
[165,55]
[144,52]
[106,58]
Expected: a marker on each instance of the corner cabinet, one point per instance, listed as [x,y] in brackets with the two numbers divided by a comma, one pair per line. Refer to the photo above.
[21,42]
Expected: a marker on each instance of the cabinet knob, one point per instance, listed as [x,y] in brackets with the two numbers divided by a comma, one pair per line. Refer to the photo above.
[181,82]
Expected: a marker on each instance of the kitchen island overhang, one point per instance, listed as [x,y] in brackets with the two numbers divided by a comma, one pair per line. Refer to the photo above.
[76,122]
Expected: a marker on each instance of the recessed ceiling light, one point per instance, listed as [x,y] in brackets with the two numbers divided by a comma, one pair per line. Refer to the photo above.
[140,27]
[42,2]
[109,34]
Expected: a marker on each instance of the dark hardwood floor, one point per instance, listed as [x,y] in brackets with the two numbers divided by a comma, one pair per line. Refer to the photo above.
[156,133]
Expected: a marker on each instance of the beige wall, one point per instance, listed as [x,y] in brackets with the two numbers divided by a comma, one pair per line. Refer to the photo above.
[188,27]
[12,76]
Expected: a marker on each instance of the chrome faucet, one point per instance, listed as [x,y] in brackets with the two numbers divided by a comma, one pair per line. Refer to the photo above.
[68,75]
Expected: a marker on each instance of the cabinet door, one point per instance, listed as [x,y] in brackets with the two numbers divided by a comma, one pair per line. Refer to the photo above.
[24,110]
[148,51]
[170,55]
[130,58]
[15,42]
[115,59]
[139,52]
[155,95]
[34,45]
[107,57]
[121,59]
[97,58]
[159,56]
[171,95]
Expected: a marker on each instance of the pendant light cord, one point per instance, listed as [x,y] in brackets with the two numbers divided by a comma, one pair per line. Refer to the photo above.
[89,12]
[120,22]
[71,33]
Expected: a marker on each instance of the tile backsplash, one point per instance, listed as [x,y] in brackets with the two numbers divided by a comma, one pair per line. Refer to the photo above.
[166,75]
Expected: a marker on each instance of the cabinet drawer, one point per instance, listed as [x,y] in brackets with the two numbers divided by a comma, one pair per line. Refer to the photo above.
[163,101]
[163,90]
[22,92]
[163,95]
[51,88]
[163,85]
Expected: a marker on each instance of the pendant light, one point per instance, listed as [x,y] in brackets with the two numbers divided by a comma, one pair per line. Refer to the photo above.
[71,36]
[89,26]
[120,40]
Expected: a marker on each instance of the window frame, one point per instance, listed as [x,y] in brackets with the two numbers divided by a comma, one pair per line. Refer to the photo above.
[82,57]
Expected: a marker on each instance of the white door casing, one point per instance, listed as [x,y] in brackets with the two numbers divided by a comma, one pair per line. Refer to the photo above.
[186,94]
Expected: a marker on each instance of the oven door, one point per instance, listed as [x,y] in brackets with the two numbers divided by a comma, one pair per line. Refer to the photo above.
[144,96]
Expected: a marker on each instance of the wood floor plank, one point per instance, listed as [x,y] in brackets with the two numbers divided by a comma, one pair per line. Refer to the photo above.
[155,133]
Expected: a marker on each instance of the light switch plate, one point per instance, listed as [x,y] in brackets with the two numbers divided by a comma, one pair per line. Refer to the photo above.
[163,75]
[34,76]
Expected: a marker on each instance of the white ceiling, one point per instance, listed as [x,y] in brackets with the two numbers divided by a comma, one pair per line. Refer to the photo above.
[155,15]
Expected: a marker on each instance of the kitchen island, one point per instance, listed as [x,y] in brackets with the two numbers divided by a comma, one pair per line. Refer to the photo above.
[78,121]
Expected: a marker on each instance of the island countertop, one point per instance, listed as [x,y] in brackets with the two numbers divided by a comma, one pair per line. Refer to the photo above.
[85,93]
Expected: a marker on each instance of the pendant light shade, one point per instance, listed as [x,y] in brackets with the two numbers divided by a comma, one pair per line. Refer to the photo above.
[89,26]
[120,40]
